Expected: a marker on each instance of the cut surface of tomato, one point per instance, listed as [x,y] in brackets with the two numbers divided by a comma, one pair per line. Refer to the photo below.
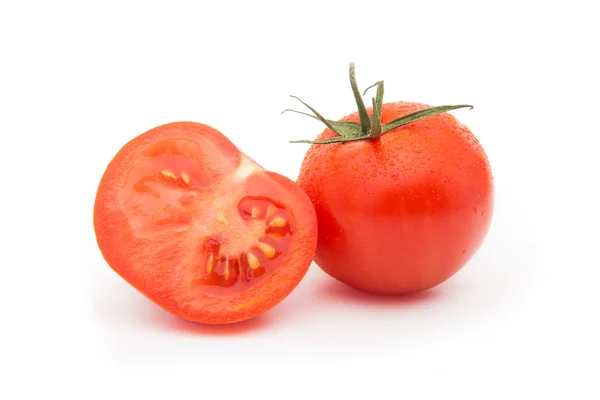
[200,228]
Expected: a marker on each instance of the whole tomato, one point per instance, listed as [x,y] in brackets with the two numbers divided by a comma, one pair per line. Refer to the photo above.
[403,195]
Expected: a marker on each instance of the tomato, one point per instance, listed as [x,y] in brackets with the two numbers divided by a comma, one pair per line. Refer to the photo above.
[201,229]
[399,211]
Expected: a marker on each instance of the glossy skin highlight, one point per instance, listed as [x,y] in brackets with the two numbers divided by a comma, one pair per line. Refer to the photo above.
[404,212]
[199,228]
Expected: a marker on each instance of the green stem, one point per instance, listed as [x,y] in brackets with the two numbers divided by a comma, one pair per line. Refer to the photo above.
[368,128]
[365,123]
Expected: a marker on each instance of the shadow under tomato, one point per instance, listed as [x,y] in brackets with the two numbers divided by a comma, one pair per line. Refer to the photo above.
[332,290]
[127,308]
[237,328]
[297,305]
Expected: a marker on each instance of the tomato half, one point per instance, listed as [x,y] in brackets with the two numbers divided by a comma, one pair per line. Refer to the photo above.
[201,229]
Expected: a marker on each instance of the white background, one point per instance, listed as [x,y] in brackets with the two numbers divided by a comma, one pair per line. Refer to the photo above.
[79,79]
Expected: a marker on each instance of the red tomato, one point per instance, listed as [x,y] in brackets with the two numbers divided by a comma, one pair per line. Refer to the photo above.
[201,229]
[403,211]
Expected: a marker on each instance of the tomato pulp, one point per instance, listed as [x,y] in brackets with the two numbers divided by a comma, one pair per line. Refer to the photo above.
[201,229]
[403,212]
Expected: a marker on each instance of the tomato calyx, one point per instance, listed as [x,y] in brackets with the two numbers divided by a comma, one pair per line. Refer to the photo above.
[367,128]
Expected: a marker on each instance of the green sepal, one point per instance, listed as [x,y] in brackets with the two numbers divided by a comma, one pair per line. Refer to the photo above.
[376,129]
[371,87]
[335,139]
[368,128]
[317,115]
[416,116]
[345,129]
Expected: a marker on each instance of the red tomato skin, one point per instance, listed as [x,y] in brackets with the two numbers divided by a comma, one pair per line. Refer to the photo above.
[404,212]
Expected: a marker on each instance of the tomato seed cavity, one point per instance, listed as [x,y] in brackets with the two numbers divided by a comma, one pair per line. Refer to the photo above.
[244,269]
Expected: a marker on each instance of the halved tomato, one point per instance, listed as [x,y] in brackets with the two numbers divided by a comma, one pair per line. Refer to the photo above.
[201,229]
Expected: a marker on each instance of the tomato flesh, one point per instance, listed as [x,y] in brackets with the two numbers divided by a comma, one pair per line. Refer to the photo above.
[201,229]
